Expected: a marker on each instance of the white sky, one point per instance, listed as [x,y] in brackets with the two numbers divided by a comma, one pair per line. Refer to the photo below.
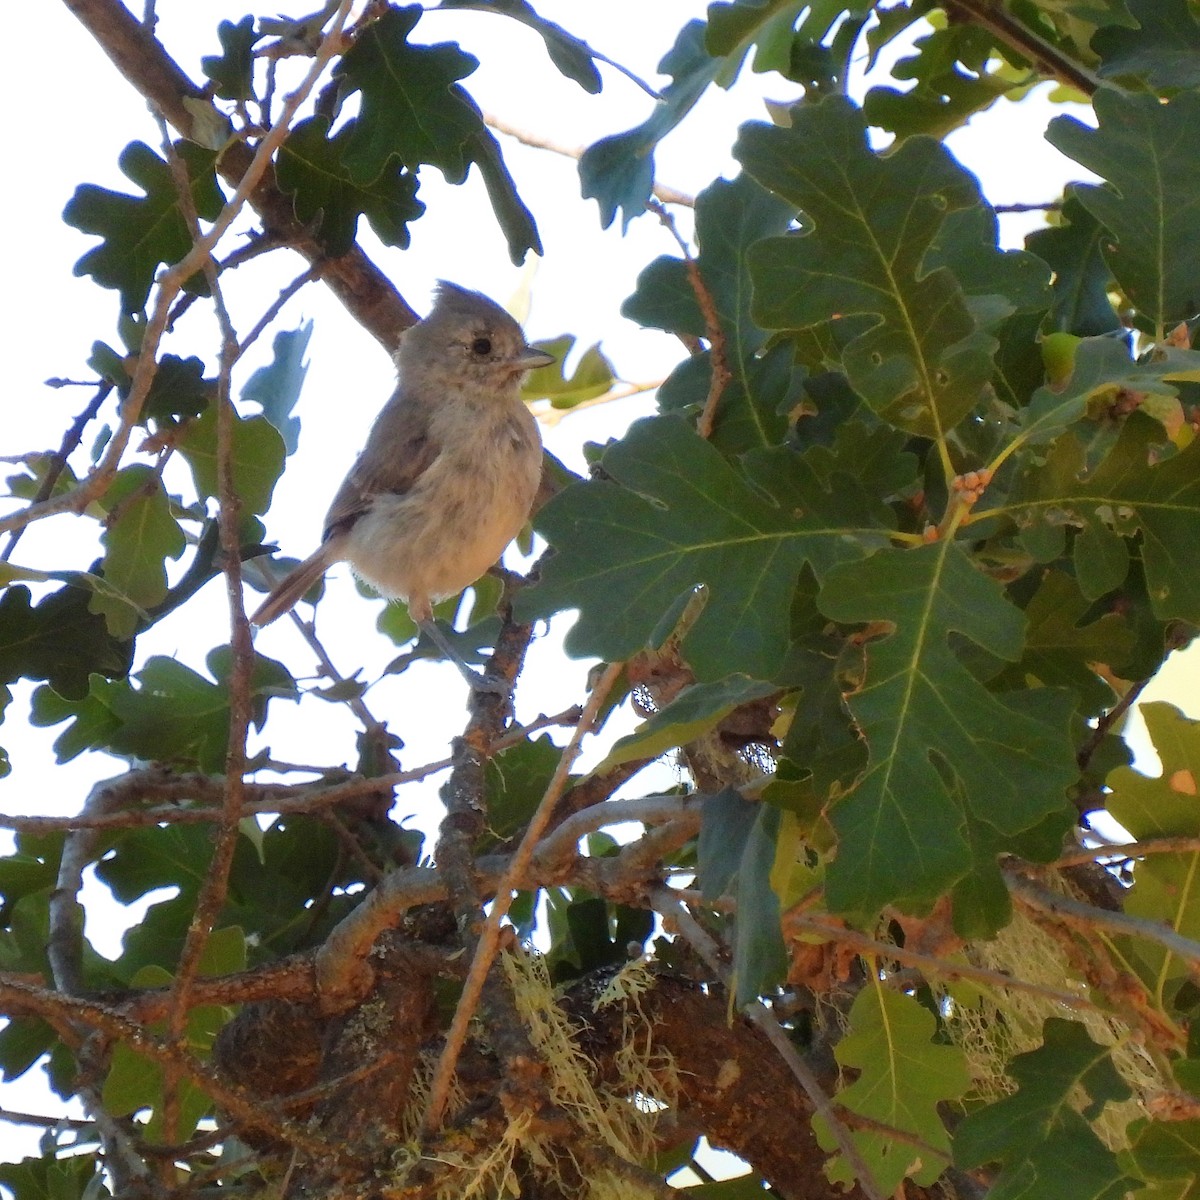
[81,116]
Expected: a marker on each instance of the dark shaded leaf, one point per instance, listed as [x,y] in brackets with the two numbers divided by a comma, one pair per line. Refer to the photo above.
[520,229]
[179,389]
[1081,277]
[951,82]
[1163,51]
[58,640]
[728,820]
[516,780]
[1128,493]
[232,71]
[411,108]
[571,56]
[140,233]
[174,714]
[694,711]
[313,168]
[1148,152]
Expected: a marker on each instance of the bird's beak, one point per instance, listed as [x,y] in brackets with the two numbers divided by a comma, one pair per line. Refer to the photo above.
[529,358]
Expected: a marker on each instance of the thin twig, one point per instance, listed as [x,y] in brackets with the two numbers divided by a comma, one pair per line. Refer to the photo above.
[216,879]
[1108,720]
[1043,206]
[668,195]
[933,967]
[276,307]
[1127,851]
[270,798]
[64,950]
[489,940]
[71,440]
[719,372]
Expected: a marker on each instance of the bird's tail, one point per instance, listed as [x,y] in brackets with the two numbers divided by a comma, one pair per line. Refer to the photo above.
[287,592]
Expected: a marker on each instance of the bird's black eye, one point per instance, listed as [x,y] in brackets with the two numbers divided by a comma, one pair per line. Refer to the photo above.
[481,346]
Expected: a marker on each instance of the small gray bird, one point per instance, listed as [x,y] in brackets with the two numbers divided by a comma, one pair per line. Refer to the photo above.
[449,471]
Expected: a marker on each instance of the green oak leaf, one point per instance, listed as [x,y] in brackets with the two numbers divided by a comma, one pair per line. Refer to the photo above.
[174,715]
[1060,650]
[754,406]
[411,106]
[1074,250]
[516,780]
[1047,1149]
[1103,367]
[53,1176]
[140,233]
[59,640]
[694,711]
[23,1041]
[414,110]
[673,515]
[574,58]
[312,167]
[516,221]
[759,954]
[736,854]
[943,749]
[276,387]
[768,25]
[951,82]
[140,534]
[1162,51]
[903,1075]
[730,217]
[1129,493]
[618,171]
[1165,1151]
[1166,887]
[256,458]
[178,389]
[997,283]
[592,377]
[1148,152]
[232,71]
[917,356]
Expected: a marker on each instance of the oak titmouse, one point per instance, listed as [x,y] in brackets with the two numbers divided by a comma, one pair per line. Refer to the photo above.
[449,471]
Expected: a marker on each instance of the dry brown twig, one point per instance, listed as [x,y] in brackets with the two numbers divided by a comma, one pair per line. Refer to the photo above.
[489,940]
[720,374]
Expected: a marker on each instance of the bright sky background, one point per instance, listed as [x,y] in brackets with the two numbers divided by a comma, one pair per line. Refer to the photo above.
[80,116]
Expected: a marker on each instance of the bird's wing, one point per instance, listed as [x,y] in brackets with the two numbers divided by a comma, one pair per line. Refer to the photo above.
[399,450]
